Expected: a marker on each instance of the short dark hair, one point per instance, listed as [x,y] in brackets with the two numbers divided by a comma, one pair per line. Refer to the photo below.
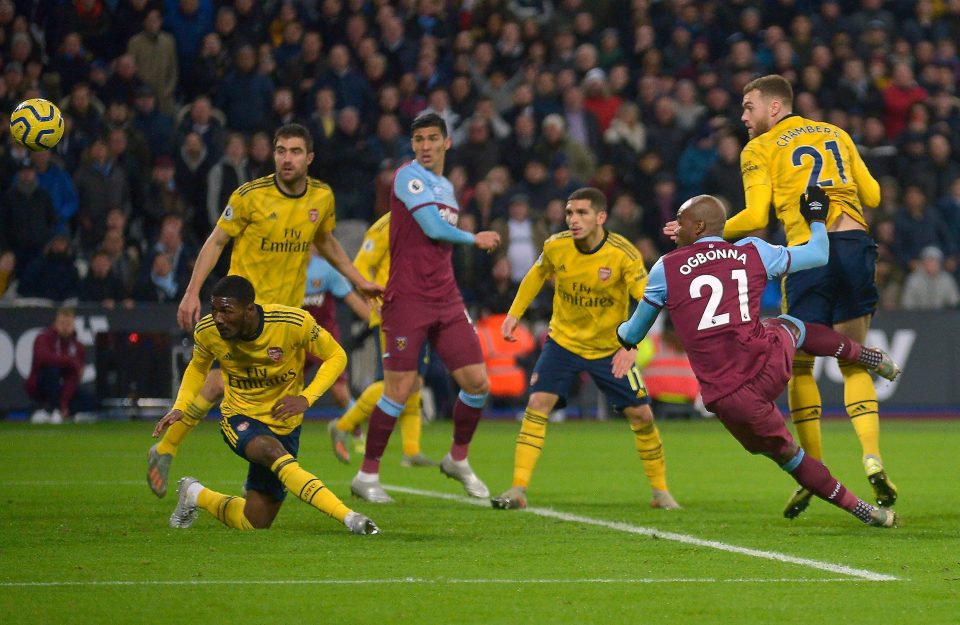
[293,130]
[235,287]
[429,120]
[598,201]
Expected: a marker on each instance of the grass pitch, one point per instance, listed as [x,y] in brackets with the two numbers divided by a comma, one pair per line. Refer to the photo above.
[82,540]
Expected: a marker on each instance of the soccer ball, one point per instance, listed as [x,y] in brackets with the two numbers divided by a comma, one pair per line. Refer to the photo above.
[36,124]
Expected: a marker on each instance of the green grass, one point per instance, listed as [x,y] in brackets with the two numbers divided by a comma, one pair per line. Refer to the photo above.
[75,509]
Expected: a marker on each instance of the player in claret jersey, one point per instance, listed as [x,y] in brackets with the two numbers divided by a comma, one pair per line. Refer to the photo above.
[422,302]
[712,289]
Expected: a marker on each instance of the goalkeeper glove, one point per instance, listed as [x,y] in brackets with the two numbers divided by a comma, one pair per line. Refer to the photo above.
[814,204]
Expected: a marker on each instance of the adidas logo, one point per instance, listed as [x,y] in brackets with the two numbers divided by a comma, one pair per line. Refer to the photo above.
[562,267]
[272,216]
[228,356]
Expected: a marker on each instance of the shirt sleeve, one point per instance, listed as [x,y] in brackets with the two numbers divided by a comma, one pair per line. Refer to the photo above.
[868,189]
[236,215]
[321,344]
[416,195]
[195,374]
[656,292]
[369,256]
[778,260]
[635,277]
[531,285]
[758,190]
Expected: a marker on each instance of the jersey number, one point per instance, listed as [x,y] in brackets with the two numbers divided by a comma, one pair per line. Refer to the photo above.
[710,318]
[817,156]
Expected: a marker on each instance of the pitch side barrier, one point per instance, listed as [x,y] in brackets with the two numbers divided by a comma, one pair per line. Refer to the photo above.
[142,353]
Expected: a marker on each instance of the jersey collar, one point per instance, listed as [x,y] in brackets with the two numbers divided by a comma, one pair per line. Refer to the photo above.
[782,119]
[285,194]
[709,239]
[606,235]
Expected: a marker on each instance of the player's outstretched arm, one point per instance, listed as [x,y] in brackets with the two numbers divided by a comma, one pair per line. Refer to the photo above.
[188,313]
[623,361]
[526,292]
[634,329]
[168,419]
[330,248]
[814,206]
[487,240]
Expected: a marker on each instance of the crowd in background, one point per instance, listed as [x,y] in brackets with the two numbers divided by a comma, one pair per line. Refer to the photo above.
[169,106]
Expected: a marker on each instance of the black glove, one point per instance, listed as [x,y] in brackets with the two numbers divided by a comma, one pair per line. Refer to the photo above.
[814,204]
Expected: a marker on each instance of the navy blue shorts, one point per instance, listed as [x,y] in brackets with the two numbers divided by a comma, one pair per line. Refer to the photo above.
[424,355]
[557,367]
[238,431]
[841,290]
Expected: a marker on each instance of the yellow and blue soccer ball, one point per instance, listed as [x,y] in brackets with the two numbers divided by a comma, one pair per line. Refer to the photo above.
[36,124]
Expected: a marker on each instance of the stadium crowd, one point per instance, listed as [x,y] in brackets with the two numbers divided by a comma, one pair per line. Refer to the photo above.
[170,105]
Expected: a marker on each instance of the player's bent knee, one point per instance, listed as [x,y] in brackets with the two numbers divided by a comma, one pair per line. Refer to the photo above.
[638,414]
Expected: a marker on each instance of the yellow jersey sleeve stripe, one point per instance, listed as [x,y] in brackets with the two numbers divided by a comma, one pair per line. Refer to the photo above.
[624,247]
[313,182]
[285,313]
[259,183]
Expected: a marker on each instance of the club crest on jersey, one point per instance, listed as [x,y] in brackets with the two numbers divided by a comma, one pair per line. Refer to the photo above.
[401,343]
[243,426]
[275,353]
[228,213]
[314,215]
[415,186]
[604,273]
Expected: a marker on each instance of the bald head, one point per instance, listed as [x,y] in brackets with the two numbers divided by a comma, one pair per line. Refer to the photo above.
[700,216]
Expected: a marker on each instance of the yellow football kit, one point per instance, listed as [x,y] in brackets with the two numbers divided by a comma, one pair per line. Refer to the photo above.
[260,371]
[780,164]
[589,299]
[373,259]
[272,234]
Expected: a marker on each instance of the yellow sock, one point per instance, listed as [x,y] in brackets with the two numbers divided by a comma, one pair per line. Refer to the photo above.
[805,407]
[533,431]
[410,424]
[650,447]
[308,487]
[175,434]
[860,397]
[227,509]
[360,411]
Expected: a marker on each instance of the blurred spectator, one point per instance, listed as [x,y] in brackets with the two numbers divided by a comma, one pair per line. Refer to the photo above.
[57,182]
[91,20]
[124,81]
[695,161]
[301,72]
[155,53]
[929,287]
[598,99]
[101,185]
[664,134]
[940,170]
[260,161]
[162,197]
[390,144]
[72,62]
[129,15]
[581,124]
[518,148]
[8,265]
[193,164]
[878,153]
[124,258]
[205,121]
[282,111]
[156,127]
[919,225]
[401,54]
[723,176]
[323,121]
[102,287]
[56,371]
[188,21]
[85,111]
[351,166]
[900,94]
[28,216]
[245,95]
[159,285]
[498,296]
[521,236]
[349,87]
[625,216]
[226,176]
[625,139]
[479,153]
[52,275]
[170,243]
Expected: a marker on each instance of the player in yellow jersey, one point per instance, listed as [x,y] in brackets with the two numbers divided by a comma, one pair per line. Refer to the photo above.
[373,263]
[261,350]
[272,221]
[596,273]
[785,155]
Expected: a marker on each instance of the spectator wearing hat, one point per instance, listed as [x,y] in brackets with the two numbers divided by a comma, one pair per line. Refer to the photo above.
[155,53]
[28,218]
[929,287]
[555,142]
[598,100]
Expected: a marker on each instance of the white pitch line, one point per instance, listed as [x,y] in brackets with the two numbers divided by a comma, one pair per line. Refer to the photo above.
[422,580]
[655,533]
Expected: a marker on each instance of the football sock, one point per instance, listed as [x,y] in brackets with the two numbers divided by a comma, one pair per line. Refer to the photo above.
[175,434]
[410,425]
[308,487]
[533,432]
[805,407]
[650,447]
[466,417]
[816,478]
[822,340]
[361,409]
[860,397]
[227,509]
[382,421]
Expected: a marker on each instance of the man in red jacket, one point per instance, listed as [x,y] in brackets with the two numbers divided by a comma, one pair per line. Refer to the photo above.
[58,362]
